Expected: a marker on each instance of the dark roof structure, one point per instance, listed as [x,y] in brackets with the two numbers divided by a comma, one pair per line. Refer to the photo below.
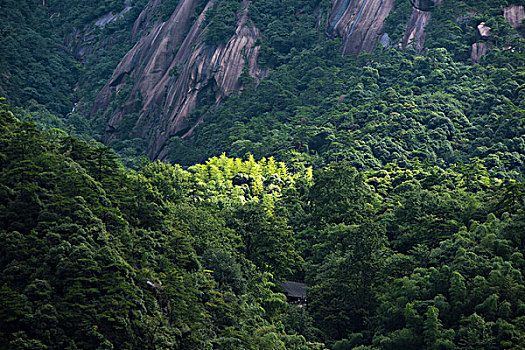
[294,289]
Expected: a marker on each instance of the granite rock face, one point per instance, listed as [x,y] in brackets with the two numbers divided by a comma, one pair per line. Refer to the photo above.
[359,23]
[415,31]
[81,42]
[514,14]
[483,30]
[168,69]
[478,51]
[163,78]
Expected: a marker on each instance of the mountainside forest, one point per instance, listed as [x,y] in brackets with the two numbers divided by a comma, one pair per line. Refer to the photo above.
[166,165]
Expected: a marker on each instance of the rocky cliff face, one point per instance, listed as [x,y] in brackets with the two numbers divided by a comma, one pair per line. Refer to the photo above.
[169,68]
[161,81]
[81,42]
[415,31]
[478,51]
[515,14]
[145,18]
[164,76]
[359,23]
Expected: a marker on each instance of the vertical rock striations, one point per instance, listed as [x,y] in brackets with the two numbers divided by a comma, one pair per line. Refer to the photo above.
[215,69]
[515,14]
[478,51]
[145,18]
[359,23]
[168,69]
[415,31]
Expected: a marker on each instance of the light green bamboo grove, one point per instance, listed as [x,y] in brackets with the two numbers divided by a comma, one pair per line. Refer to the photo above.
[389,183]
[98,256]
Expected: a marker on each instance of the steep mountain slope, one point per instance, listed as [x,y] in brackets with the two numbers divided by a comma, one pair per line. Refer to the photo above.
[401,202]
[173,71]
[171,68]
[359,23]
[165,86]
[152,71]
[391,106]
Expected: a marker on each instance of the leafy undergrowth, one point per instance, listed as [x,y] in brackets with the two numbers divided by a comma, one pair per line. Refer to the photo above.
[96,256]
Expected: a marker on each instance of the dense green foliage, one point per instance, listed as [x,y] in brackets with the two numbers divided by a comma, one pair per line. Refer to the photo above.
[398,108]
[221,21]
[54,57]
[32,66]
[97,256]
[400,202]
[418,259]
[391,106]
[288,27]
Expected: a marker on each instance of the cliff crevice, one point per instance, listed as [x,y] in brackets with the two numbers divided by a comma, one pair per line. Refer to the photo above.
[415,32]
[359,22]
[168,69]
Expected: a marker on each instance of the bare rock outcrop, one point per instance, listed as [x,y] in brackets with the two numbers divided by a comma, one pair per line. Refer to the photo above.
[415,31]
[478,51]
[359,23]
[168,69]
[484,30]
[145,18]
[81,42]
[111,17]
[514,14]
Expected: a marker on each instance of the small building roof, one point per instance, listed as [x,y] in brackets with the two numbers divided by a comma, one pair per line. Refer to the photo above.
[294,289]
